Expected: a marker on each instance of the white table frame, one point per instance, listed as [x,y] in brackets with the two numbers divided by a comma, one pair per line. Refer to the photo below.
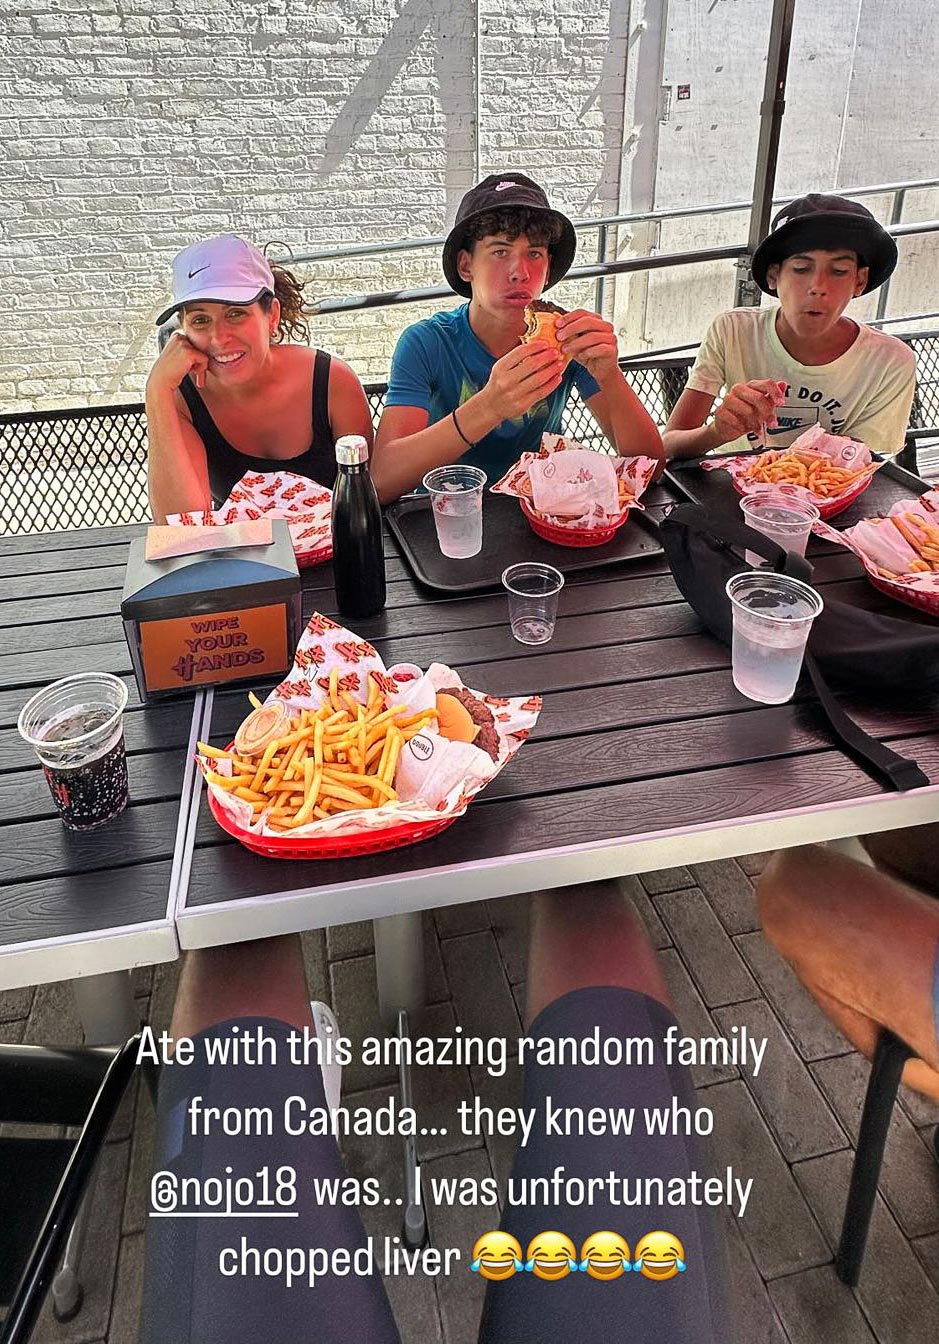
[395,902]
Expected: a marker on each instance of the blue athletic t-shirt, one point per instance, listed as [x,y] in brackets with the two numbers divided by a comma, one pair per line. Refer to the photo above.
[440,363]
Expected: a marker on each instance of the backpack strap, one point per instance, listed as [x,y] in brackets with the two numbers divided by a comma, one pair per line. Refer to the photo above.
[899,772]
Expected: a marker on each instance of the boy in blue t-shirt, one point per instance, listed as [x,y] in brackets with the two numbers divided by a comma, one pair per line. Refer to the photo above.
[462,386]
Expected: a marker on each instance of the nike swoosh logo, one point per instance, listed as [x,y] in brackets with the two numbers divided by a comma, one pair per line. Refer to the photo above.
[787,429]
[198,270]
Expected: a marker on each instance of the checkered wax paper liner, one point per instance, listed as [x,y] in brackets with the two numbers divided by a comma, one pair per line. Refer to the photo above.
[927,506]
[304,505]
[636,472]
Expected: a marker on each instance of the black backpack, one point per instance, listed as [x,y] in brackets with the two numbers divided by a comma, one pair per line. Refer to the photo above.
[849,647]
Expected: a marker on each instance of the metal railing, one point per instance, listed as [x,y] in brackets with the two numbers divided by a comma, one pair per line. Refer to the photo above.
[604,221]
[88,467]
[600,269]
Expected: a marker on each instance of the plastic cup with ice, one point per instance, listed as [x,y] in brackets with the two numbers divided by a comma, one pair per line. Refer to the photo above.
[772,615]
[788,521]
[456,496]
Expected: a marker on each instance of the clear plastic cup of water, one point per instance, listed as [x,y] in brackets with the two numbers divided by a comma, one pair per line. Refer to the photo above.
[456,497]
[533,601]
[76,726]
[773,615]
[787,521]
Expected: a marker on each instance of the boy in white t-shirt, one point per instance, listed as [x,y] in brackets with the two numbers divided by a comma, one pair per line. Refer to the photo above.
[802,363]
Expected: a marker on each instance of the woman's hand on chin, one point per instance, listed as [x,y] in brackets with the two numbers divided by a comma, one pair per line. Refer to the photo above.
[178,358]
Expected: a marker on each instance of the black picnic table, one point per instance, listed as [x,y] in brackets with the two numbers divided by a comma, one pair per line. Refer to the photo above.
[644,755]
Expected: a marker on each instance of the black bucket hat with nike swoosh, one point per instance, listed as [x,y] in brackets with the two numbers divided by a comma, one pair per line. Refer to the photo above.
[219,270]
[506,191]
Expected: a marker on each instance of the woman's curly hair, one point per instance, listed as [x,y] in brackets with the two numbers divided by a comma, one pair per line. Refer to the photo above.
[288,290]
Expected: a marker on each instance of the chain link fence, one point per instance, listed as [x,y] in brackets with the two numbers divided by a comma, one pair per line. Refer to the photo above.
[88,468]
[65,469]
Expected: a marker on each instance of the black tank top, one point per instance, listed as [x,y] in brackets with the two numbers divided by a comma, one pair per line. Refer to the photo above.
[227,465]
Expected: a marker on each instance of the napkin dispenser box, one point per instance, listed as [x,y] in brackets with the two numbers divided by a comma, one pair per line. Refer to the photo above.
[212,618]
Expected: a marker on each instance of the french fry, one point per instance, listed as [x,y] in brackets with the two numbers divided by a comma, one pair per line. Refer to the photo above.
[269,753]
[342,791]
[312,775]
[224,781]
[214,753]
[393,752]
[357,782]
[906,531]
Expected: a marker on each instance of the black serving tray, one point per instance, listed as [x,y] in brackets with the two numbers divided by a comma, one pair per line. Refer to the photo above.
[508,539]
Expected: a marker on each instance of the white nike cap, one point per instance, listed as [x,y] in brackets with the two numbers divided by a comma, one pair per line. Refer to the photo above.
[219,270]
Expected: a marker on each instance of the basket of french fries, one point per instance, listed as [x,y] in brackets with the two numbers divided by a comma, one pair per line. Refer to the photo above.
[304,506]
[899,550]
[573,496]
[347,757]
[826,469]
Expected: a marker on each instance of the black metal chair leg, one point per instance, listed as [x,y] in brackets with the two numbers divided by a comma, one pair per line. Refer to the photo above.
[889,1057]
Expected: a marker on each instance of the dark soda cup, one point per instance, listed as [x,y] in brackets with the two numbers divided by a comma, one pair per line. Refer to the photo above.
[76,727]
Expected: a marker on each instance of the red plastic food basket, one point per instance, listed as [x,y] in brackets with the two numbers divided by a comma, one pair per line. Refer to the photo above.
[568,536]
[307,559]
[928,602]
[342,846]
[829,508]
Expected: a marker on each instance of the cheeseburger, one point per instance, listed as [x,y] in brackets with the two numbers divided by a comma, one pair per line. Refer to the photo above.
[541,319]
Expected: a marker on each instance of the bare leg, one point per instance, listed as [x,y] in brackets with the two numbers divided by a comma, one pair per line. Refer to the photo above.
[863,944]
[188,1293]
[910,854]
[588,935]
[587,946]
[263,978]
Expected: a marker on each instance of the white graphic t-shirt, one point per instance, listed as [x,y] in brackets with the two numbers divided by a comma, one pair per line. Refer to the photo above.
[865,394]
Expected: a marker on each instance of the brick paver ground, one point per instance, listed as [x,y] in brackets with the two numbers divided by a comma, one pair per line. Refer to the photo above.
[791,1128]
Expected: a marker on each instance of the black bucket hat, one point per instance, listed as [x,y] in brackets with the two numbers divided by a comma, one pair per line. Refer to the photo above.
[826,222]
[506,191]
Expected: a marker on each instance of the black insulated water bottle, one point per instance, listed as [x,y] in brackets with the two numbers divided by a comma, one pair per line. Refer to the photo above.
[358,559]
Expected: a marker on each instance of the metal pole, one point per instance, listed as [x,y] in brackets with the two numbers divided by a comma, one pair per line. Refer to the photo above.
[601,257]
[896,214]
[477,169]
[771,115]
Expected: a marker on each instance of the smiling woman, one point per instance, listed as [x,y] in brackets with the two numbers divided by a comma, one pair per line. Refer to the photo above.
[229,394]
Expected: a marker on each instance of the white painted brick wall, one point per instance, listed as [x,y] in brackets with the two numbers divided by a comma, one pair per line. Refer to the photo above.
[129,128]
